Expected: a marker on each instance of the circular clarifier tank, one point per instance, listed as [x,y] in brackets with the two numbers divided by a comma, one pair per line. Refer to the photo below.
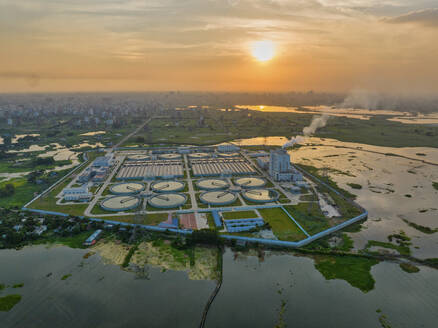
[169,156]
[251,182]
[170,200]
[138,157]
[212,184]
[167,186]
[217,197]
[260,195]
[120,203]
[127,188]
[199,155]
[227,155]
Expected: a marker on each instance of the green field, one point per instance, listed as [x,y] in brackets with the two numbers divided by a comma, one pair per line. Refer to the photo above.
[48,202]
[309,216]
[183,127]
[282,226]
[239,215]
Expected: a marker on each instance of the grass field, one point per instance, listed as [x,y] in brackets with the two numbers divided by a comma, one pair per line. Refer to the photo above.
[225,126]
[24,192]
[239,215]
[48,202]
[282,226]
[309,216]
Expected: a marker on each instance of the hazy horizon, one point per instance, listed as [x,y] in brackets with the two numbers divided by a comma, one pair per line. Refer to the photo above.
[198,45]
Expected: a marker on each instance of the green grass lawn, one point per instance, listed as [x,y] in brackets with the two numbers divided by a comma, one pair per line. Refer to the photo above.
[309,216]
[24,192]
[239,215]
[48,202]
[282,226]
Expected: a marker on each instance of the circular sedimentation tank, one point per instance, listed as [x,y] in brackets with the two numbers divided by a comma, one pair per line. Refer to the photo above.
[212,184]
[227,155]
[198,155]
[260,195]
[169,156]
[127,188]
[120,203]
[251,182]
[218,197]
[170,200]
[167,186]
[139,157]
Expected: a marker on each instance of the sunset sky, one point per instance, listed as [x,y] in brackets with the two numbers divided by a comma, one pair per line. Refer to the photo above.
[136,45]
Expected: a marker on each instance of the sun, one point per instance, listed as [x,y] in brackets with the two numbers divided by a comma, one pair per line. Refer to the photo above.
[263,50]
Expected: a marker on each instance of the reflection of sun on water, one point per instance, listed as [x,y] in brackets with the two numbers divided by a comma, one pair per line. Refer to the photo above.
[263,50]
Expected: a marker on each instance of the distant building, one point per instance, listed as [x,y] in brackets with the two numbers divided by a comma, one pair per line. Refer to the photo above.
[93,238]
[40,230]
[104,161]
[280,168]
[263,162]
[228,148]
[77,194]
[184,150]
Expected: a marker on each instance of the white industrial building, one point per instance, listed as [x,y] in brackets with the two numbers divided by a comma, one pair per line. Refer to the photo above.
[104,161]
[280,168]
[77,193]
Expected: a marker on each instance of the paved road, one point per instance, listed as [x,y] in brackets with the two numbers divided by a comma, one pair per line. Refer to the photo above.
[190,184]
[96,198]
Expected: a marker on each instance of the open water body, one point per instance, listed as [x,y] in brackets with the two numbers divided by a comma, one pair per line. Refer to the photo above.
[103,295]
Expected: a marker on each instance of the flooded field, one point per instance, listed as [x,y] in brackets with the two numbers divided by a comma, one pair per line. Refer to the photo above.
[393,188]
[356,113]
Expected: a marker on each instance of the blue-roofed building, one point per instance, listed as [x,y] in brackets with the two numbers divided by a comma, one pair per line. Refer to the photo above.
[93,238]
[239,225]
[217,219]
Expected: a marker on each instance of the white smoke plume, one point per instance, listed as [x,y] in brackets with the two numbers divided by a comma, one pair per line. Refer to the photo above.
[317,122]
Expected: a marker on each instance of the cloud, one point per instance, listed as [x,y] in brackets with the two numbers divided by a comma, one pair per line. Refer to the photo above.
[425,17]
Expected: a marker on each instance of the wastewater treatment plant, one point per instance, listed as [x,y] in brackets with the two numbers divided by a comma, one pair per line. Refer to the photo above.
[242,194]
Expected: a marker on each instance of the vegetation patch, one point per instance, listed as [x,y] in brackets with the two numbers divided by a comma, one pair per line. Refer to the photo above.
[353,269]
[8,302]
[355,185]
[403,250]
[66,276]
[129,256]
[409,268]
[421,228]
[231,215]
[75,241]
[309,216]
[18,285]
[435,185]
[281,224]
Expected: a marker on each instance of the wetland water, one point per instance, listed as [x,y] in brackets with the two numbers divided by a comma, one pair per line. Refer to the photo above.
[103,295]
